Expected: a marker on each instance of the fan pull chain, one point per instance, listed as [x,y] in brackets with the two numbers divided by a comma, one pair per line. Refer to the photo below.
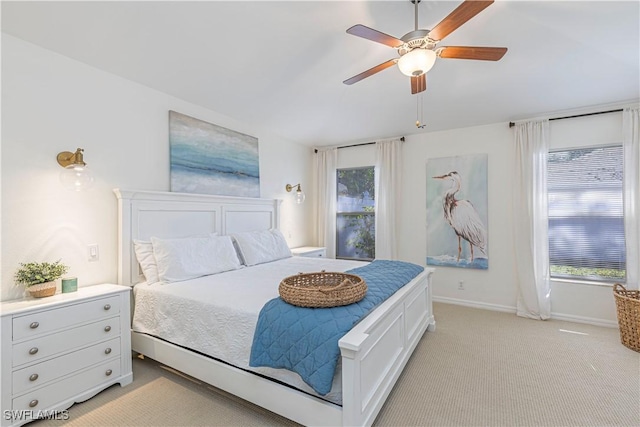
[420,113]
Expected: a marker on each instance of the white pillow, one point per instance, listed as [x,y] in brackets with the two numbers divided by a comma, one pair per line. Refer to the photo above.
[257,247]
[147,261]
[144,254]
[188,258]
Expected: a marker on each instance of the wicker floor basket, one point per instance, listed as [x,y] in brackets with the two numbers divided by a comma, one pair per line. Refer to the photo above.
[323,289]
[628,307]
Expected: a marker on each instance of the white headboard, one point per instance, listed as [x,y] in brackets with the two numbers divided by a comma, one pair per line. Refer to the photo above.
[143,214]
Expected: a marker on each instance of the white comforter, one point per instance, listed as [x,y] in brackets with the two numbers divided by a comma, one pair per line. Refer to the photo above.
[216,315]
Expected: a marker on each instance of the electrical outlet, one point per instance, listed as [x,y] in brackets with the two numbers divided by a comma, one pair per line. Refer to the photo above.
[461,285]
[94,253]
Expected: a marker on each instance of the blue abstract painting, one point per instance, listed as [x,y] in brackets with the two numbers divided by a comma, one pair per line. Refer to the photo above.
[210,159]
[457,212]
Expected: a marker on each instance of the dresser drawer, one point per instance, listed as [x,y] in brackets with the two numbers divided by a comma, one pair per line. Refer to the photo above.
[48,396]
[33,324]
[50,345]
[34,376]
[310,251]
[319,253]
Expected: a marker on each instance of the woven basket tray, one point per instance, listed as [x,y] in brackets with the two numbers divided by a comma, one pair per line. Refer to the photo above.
[628,308]
[323,289]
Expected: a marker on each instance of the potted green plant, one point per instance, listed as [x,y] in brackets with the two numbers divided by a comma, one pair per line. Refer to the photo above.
[39,277]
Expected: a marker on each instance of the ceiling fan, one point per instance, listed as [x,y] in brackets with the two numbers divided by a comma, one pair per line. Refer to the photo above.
[418,50]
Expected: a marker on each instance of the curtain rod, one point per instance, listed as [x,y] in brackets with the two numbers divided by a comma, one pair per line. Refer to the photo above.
[512,124]
[357,145]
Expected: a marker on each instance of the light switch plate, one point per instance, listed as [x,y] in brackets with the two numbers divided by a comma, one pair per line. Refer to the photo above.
[94,253]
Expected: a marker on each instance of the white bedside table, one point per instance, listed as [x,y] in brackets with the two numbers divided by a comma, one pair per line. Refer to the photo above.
[63,349]
[310,251]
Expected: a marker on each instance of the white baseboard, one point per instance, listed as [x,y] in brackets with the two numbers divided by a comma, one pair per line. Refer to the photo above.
[508,309]
[587,320]
[475,304]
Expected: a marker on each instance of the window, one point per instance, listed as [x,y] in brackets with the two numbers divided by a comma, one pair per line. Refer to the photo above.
[355,220]
[586,220]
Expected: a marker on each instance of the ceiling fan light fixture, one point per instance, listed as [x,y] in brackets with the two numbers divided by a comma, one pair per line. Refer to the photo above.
[416,62]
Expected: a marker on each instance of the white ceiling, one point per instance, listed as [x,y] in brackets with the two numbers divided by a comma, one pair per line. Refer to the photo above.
[280,65]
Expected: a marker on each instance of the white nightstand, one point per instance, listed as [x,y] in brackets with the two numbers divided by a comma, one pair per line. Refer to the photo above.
[310,251]
[63,349]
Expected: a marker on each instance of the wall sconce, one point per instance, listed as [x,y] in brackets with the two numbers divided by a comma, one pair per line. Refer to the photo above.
[75,176]
[299,193]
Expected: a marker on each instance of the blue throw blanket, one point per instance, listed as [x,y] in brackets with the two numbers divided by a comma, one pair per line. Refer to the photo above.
[305,340]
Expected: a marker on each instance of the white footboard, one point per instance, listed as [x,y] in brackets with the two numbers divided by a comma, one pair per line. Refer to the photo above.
[377,349]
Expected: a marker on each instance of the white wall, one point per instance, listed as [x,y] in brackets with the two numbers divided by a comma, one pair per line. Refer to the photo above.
[356,157]
[493,288]
[50,104]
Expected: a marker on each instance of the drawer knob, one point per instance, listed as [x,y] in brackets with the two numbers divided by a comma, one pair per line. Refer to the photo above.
[108,372]
[33,403]
[33,377]
[34,325]
[107,350]
[33,350]
[107,306]
[107,328]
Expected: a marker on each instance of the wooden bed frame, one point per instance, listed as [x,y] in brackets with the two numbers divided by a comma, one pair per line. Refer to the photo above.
[373,353]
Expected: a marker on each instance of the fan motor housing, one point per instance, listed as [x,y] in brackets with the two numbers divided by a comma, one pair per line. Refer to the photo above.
[417,39]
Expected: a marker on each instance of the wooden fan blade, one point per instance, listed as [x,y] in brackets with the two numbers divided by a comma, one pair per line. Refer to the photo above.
[374,35]
[459,16]
[370,72]
[473,52]
[418,84]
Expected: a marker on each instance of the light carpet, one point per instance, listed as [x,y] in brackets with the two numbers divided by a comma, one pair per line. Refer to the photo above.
[479,368]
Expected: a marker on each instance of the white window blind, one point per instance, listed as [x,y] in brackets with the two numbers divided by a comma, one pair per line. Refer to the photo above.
[586,222]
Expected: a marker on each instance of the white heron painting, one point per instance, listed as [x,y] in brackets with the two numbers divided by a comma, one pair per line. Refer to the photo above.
[457,212]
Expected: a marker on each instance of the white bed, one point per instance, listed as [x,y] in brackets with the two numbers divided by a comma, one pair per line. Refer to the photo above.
[373,353]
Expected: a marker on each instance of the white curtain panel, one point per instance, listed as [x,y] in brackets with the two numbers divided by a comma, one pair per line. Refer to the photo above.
[631,185]
[326,161]
[388,186]
[531,242]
